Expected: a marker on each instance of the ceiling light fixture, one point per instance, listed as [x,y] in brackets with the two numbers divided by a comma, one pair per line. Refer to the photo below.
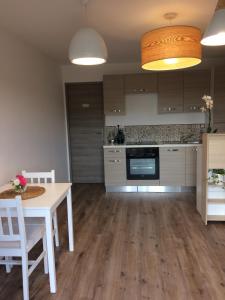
[87,47]
[215,32]
[171,47]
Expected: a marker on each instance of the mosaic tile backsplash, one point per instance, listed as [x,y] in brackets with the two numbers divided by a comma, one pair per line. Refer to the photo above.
[158,133]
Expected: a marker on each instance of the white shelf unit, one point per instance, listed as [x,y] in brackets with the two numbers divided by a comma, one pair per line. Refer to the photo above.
[216,203]
[211,201]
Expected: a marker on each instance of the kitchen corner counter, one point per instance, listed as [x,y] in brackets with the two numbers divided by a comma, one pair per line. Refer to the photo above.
[150,145]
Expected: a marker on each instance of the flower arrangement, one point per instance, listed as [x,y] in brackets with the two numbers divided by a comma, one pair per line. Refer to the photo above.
[207,108]
[19,184]
[217,176]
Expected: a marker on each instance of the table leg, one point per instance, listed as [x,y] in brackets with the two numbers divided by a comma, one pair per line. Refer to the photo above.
[70,220]
[50,251]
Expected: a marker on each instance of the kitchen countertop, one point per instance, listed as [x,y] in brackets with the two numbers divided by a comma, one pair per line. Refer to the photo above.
[151,145]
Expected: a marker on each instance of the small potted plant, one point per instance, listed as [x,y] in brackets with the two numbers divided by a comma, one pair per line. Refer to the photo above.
[19,184]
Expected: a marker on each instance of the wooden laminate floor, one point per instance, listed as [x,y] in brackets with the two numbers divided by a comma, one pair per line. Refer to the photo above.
[131,247]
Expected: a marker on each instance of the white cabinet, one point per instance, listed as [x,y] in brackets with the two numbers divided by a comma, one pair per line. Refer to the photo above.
[172,166]
[115,166]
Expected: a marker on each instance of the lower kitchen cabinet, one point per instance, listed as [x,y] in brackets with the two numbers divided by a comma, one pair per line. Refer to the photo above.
[115,166]
[190,166]
[177,167]
[172,166]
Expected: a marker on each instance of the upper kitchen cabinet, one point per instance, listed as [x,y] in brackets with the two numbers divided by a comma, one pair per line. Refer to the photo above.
[114,95]
[196,84]
[170,92]
[219,95]
[140,83]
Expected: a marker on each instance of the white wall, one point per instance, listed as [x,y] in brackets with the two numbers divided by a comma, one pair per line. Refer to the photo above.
[32,125]
[74,73]
[141,109]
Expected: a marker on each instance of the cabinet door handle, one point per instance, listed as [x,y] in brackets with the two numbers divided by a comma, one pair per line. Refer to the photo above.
[114,160]
[114,151]
[172,150]
[116,110]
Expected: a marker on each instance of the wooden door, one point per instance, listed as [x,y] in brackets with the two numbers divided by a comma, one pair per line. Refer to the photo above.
[85,124]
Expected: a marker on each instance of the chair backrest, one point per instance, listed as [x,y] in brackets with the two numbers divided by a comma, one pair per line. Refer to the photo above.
[12,226]
[39,177]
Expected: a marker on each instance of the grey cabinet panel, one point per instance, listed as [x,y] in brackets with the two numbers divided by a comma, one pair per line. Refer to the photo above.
[196,84]
[219,95]
[115,166]
[170,92]
[140,83]
[172,166]
[190,166]
[114,96]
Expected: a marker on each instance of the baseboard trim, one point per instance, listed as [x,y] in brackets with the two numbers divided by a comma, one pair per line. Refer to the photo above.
[149,189]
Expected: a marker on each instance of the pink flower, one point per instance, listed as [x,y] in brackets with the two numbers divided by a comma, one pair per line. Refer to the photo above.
[22,180]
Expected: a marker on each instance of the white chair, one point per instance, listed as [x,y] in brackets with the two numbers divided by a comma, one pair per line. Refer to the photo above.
[45,177]
[17,239]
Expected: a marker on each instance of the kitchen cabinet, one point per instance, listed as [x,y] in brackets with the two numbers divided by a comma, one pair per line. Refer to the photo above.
[190,165]
[114,95]
[177,168]
[219,96]
[170,92]
[196,84]
[115,166]
[140,83]
[172,166]
[199,180]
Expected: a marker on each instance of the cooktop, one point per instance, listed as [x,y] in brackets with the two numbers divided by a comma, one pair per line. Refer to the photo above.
[142,143]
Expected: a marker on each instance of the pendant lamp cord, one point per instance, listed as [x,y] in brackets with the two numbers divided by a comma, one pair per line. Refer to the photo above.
[85,7]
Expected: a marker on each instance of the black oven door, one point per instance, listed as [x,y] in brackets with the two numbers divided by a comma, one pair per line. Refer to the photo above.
[142,163]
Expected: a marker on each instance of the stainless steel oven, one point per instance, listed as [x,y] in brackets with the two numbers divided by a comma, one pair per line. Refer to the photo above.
[142,163]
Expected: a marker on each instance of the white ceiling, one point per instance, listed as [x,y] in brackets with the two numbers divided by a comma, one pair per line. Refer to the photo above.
[50,24]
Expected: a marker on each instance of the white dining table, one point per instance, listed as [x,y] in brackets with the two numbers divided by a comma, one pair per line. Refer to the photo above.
[44,206]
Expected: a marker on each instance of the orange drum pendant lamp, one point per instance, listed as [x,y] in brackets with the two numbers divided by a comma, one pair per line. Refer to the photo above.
[171,48]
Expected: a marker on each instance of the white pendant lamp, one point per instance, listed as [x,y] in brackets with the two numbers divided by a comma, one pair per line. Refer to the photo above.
[215,32]
[87,47]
